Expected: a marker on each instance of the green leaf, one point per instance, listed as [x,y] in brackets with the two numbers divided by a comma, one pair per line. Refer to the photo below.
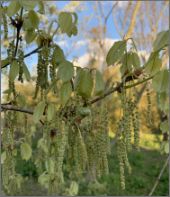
[135,60]
[153,64]
[21,100]
[65,71]
[161,40]
[160,82]
[38,112]
[65,92]
[30,36]
[50,166]
[84,83]
[41,144]
[4,62]
[27,25]
[164,126]
[50,111]
[43,179]
[74,188]
[163,101]
[41,7]
[26,72]
[3,157]
[166,148]
[65,22]
[99,83]
[116,52]
[28,5]
[14,70]
[26,151]
[34,19]
[13,8]
[126,62]
[58,56]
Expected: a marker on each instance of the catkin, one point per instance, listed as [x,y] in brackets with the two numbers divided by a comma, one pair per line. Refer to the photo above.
[5,25]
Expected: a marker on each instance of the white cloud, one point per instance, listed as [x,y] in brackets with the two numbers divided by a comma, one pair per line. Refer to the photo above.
[122,4]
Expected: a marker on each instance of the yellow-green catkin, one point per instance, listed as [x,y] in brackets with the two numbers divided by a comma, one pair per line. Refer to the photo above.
[42,71]
[136,128]
[120,155]
[10,53]
[5,24]
[20,61]
[9,175]
[149,112]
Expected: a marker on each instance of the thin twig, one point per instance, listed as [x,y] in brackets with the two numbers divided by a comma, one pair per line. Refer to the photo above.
[109,13]
[117,88]
[26,55]
[159,176]
[15,108]
[19,25]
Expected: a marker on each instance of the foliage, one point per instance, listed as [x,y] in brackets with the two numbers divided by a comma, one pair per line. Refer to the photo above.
[74,134]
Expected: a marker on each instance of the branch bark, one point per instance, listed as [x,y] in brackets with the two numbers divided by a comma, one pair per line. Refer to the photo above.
[118,88]
[26,55]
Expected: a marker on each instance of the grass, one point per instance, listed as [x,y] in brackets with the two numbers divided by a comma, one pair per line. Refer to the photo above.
[146,165]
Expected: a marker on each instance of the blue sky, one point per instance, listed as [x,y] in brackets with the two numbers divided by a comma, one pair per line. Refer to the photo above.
[111,32]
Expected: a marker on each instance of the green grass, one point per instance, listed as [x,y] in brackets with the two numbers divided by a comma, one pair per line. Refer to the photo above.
[146,165]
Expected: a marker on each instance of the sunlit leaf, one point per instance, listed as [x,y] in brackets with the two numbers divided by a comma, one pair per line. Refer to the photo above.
[38,111]
[26,72]
[14,70]
[26,151]
[161,40]
[28,5]
[3,157]
[43,179]
[164,126]
[99,83]
[65,71]
[58,56]
[116,52]
[50,111]
[65,22]
[13,8]
[65,92]
[30,36]
[153,64]
[74,188]
[84,83]
[34,19]
[160,82]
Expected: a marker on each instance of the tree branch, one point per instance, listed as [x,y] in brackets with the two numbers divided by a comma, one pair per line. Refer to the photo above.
[18,26]
[159,176]
[26,55]
[118,88]
[15,108]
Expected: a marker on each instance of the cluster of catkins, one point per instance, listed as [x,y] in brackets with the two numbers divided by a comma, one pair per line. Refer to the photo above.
[10,178]
[127,126]
[78,138]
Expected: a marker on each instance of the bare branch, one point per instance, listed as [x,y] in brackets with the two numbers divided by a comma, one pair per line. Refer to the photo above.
[15,108]
[27,55]
[118,88]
